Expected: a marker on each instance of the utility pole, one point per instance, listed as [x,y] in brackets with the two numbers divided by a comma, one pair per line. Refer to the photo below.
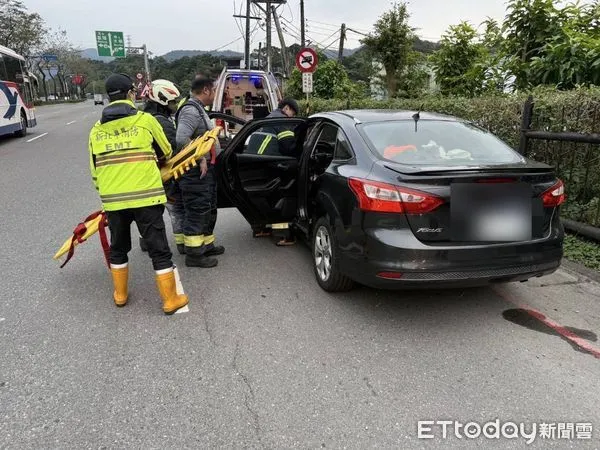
[146,63]
[302,25]
[268,8]
[342,39]
[248,17]
[267,11]
[247,48]
[259,53]
[284,53]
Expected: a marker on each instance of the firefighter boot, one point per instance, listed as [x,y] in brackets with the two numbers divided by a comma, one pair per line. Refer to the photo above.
[167,287]
[120,275]
[196,257]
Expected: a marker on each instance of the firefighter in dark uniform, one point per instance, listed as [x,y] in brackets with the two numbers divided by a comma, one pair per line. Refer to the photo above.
[278,140]
[125,147]
[199,185]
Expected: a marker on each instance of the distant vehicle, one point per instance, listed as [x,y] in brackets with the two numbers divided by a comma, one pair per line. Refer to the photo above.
[17,113]
[394,199]
[98,99]
[246,95]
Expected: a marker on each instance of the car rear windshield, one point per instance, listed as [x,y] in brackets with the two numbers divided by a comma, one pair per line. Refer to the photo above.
[437,142]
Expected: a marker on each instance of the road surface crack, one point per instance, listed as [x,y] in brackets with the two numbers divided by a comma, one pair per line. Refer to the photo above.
[249,397]
[563,283]
[207,327]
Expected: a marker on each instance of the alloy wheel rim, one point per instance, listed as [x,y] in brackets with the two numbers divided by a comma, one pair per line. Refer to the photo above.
[323,253]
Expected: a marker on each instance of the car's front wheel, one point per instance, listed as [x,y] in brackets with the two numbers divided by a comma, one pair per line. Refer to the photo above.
[325,261]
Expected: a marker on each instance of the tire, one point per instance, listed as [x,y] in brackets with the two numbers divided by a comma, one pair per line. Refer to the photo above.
[325,262]
[23,131]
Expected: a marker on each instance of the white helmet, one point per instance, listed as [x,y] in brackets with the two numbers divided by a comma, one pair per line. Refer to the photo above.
[163,91]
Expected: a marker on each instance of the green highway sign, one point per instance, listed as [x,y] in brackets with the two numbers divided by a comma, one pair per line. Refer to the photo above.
[110,43]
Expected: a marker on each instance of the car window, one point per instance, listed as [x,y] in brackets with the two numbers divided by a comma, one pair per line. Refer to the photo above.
[327,140]
[342,147]
[437,142]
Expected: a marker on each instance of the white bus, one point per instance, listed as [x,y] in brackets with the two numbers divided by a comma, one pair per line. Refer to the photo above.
[17,113]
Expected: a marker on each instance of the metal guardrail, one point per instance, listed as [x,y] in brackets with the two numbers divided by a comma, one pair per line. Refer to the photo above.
[575,157]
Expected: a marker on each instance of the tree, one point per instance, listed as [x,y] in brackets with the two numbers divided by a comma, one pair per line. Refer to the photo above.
[572,56]
[457,64]
[548,45]
[359,66]
[330,80]
[392,44]
[20,29]
[528,26]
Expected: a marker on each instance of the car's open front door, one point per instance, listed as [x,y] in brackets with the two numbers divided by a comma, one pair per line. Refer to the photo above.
[256,178]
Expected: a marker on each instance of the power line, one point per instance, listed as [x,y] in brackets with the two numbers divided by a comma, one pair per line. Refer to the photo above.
[330,36]
[229,43]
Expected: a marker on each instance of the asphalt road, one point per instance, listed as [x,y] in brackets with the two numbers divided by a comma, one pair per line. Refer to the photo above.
[264,358]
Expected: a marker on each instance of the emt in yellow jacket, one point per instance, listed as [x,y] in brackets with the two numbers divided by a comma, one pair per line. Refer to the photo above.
[126,146]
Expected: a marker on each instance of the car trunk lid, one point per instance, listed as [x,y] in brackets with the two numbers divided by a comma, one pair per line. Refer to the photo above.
[489,204]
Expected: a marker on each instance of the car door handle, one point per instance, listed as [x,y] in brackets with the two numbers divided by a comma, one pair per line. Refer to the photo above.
[285,167]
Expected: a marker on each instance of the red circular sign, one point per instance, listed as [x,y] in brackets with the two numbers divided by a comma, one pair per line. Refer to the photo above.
[307,60]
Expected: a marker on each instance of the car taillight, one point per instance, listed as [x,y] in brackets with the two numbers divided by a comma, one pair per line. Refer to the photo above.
[555,196]
[388,198]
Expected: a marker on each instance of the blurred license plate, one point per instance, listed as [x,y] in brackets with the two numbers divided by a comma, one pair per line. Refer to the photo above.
[491,212]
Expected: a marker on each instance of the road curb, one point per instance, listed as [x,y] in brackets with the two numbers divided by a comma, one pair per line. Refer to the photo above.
[580,270]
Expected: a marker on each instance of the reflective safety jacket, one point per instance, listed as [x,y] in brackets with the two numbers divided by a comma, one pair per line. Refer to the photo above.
[274,140]
[125,146]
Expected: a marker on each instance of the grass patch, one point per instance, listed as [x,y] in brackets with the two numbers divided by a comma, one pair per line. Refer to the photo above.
[582,251]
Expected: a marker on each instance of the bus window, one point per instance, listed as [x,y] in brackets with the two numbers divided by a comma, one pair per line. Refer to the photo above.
[3,75]
[13,69]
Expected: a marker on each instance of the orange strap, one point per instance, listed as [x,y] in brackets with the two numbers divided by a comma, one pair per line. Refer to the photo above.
[80,231]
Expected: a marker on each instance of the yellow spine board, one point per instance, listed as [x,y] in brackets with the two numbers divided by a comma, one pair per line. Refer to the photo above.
[188,158]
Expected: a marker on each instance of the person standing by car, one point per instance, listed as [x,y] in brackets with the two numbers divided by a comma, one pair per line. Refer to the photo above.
[199,185]
[162,99]
[124,147]
[282,141]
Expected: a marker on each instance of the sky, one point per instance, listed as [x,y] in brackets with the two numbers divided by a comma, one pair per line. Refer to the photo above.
[209,25]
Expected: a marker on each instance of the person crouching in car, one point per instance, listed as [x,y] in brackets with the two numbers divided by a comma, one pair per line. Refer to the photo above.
[286,146]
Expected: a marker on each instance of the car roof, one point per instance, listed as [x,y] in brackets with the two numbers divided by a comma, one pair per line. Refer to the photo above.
[246,72]
[379,115]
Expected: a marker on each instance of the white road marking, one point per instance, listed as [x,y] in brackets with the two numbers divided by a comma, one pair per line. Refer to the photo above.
[2,319]
[183,310]
[37,137]
[70,123]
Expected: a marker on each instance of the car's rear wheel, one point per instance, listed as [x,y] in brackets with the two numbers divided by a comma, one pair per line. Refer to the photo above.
[325,261]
